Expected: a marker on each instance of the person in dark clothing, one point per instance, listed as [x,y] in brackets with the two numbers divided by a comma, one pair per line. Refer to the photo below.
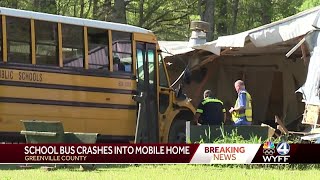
[210,111]
[118,66]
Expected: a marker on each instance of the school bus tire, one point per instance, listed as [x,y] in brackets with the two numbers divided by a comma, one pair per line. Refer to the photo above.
[177,133]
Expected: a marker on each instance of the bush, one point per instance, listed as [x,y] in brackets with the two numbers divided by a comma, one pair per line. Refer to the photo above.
[235,138]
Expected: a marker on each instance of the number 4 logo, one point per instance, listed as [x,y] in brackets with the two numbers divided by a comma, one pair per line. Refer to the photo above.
[283,148]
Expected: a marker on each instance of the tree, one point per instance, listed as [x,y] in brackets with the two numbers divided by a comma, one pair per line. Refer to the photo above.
[206,11]
[222,27]
[170,20]
[105,13]
[119,11]
[285,8]
[307,4]
[235,8]
[167,19]
[266,11]
[47,6]
[95,9]
[81,8]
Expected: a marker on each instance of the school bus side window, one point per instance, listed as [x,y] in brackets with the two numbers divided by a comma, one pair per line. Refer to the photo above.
[72,46]
[122,51]
[98,49]
[18,40]
[46,43]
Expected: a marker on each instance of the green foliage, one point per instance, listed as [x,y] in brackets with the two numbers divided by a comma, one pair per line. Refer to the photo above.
[285,8]
[307,4]
[235,138]
[167,19]
[189,171]
[229,138]
[232,138]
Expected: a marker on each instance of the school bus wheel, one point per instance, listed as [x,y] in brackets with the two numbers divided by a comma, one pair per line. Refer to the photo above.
[177,133]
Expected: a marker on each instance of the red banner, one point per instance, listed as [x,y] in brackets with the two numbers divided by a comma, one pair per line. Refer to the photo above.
[159,153]
[95,153]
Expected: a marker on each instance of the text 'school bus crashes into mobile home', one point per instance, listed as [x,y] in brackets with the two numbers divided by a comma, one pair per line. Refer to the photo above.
[84,73]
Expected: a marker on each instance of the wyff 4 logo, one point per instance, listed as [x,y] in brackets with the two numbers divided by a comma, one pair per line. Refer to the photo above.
[270,156]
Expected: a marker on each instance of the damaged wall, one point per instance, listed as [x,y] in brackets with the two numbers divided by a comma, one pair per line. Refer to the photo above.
[271,80]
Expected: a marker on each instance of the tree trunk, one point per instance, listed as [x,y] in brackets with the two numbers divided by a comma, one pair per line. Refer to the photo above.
[235,8]
[75,8]
[141,18]
[95,9]
[81,8]
[266,11]
[208,16]
[47,6]
[106,11]
[15,4]
[200,3]
[36,5]
[86,14]
[59,11]
[222,28]
[119,11]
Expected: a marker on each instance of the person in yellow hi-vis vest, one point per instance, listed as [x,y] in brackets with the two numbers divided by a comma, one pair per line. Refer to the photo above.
[242,110]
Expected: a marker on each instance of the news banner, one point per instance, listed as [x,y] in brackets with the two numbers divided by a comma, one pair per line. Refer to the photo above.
[268,152]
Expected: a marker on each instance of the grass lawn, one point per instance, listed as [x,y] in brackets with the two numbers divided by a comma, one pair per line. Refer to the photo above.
[164,172]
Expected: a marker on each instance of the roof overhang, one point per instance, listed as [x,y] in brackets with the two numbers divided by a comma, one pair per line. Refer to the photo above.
[171,48]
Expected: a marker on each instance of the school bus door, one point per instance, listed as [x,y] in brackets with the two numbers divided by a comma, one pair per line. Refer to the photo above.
[147,83]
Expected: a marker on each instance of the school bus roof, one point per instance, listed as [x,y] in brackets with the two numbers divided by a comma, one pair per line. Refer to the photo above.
[72,20]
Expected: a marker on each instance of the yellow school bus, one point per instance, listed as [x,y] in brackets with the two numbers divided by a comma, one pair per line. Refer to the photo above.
[84,73]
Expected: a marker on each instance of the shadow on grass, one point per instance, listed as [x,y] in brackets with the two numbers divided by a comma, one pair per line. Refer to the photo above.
[106,167]
[72,167]
[268,166]
[17,166]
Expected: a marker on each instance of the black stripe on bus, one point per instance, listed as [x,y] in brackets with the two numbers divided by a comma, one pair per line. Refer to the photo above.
[114,139]
[65,103]
[67,70]
[66,87]
[18,137]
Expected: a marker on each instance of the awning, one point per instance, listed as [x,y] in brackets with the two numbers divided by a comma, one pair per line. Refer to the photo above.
[209,46]
[170,48]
